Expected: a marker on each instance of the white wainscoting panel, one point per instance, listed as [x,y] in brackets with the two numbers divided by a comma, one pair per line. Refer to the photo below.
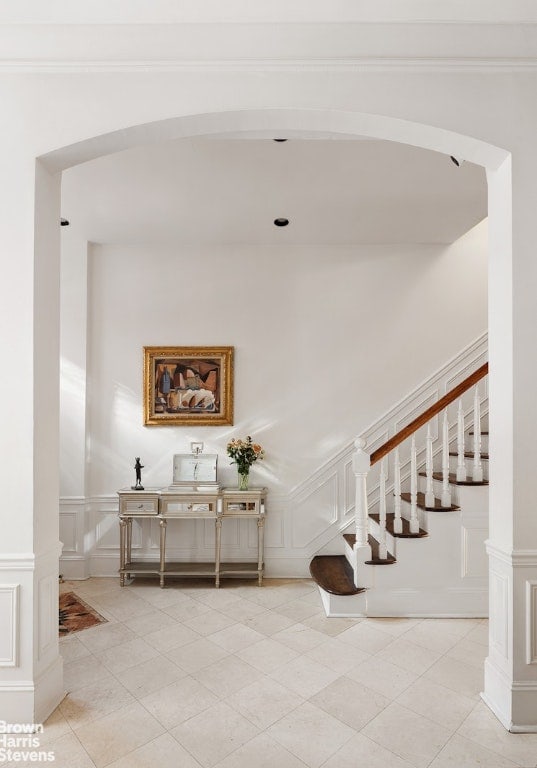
[9,625]
[107,531]
[68,532]
[316,512]
[419,406]
[349,488]
[499,602]
[48,614]
[474,558]
[531,622]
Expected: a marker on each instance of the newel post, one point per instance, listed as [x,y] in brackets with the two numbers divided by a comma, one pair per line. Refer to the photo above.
[361,463]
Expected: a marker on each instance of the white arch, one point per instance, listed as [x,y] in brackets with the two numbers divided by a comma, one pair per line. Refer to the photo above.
[304,123]
[298,123]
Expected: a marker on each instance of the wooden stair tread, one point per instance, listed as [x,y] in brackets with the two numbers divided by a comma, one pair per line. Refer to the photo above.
[350,538]
[390,517]
[453,479]
[334,574]
[469,454]
[437,503]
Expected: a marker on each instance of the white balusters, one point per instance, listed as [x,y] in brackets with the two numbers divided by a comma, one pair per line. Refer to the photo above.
[446,491]
[383,548]
[410,523]
[477,468]
[361,464]
[414,522]
[429,491]
[397,522]
[461,464]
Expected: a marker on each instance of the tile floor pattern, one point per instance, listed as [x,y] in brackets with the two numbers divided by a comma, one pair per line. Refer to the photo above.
[190,676]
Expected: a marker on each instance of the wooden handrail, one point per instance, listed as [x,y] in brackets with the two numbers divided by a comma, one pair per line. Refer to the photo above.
[418,422]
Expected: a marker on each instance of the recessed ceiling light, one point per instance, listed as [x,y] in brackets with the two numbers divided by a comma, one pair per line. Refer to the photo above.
[281,222]
[279,140]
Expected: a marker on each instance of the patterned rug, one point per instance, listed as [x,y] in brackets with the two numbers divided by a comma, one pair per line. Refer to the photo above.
[75,614]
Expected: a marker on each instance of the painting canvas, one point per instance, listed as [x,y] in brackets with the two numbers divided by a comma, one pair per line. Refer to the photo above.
[188,385]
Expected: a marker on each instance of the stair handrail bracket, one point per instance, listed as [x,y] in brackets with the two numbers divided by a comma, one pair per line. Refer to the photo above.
[361,463]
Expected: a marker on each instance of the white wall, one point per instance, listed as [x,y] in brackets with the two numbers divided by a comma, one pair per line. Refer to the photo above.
[321,337]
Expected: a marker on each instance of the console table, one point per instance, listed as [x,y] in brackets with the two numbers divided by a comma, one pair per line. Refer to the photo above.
[169,504]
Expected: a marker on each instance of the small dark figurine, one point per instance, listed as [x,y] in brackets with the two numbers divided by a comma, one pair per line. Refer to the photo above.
[138,467]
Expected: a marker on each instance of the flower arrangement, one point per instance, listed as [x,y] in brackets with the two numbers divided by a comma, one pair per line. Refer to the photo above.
[244,453]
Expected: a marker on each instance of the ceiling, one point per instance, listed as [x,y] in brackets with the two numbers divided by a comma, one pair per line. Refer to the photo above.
[207,191]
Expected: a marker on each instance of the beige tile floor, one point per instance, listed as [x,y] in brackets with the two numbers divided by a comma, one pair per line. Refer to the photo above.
[244,677]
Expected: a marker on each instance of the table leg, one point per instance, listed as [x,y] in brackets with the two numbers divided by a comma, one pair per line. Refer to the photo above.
[163,524]
[129,542]
[217,545]
[260,548]
[122,536]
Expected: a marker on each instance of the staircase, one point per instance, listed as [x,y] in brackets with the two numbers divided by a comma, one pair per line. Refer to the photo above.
[417,548]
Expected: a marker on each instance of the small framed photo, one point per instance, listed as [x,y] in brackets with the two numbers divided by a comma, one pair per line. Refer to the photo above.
[188,385]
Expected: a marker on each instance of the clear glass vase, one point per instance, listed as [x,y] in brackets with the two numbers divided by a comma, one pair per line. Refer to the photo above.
[243,478]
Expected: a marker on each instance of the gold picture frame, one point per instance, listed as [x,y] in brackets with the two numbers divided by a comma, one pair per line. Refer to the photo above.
[185,386]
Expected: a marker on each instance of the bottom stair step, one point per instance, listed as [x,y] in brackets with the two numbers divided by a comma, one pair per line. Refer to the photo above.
[334,574]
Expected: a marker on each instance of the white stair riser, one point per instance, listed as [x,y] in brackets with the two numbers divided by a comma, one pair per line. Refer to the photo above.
[342,606]
[424,603]
[467,497]
[391,541]
[469,463]
[437,488]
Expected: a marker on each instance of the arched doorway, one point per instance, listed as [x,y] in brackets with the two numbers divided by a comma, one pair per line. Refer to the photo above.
[299,123]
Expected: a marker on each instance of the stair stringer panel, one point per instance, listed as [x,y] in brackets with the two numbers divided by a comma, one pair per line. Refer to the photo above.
[442,575]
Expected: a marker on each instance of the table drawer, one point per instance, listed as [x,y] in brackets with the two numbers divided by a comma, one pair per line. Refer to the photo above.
[138,507]
[241,508]
[188,509]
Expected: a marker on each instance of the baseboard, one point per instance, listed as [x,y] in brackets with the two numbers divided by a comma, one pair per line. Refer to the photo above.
[520,714]
[31,702]
[434,604]
[75,568]
[49,690]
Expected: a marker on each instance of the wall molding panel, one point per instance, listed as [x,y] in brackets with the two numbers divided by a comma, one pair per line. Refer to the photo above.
[47,614]
[531,622]
[499,605]
[9,625]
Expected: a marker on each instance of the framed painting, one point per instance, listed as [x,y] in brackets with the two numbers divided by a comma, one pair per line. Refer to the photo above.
[188,386]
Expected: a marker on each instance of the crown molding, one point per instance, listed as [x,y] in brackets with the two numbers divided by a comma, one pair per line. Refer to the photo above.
[358,65]
[337,46]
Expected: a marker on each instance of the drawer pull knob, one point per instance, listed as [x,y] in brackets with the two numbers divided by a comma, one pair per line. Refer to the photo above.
[140,506]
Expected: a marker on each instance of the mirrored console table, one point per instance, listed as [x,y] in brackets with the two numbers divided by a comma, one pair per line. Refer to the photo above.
[176,503]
